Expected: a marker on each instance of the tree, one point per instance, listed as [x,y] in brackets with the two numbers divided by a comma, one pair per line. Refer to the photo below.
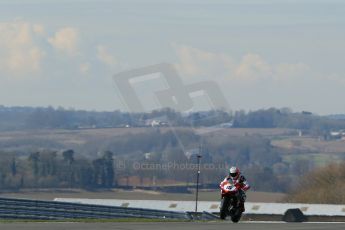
[315,186]
[48,163]
[84,174]
[108,164]
[13,167]
[34,158]
[68,156]
[68,172]
[98,172]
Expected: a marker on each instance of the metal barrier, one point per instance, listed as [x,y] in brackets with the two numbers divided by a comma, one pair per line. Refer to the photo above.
[34,209]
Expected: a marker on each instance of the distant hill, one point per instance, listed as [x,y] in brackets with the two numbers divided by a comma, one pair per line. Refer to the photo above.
[30,118]
[337,116]
[27,118]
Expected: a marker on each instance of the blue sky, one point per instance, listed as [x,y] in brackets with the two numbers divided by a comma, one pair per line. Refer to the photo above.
[262,53]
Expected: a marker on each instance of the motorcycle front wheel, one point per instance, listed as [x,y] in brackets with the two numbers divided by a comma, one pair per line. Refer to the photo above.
[236,214]
[224,207]
[236,217]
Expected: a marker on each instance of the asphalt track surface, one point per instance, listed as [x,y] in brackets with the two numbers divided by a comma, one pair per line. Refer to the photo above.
[173,226]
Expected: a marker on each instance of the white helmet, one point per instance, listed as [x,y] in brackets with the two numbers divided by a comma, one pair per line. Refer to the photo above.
[234,172]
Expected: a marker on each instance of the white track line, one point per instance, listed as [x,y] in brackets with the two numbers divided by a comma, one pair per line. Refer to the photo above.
[283,222]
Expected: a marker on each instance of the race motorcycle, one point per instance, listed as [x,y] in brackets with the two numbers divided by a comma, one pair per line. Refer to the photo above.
[230,204]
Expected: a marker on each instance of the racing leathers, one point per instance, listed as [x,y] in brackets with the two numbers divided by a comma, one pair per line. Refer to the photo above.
[242,186]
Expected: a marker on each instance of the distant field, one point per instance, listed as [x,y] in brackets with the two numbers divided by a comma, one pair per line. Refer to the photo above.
[88,142]
[320,152]
[246,131]
[79,140]
[311,144]
[138,195]
[84,134]
[88,139]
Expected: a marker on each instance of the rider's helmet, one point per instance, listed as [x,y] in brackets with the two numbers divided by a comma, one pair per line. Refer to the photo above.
[234,172]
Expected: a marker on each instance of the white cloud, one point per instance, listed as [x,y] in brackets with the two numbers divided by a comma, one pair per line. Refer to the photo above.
[23,47]
[65,40]
[38,29]
[84,68]
[20,53]
[193,61]
[104,56]
[251,67]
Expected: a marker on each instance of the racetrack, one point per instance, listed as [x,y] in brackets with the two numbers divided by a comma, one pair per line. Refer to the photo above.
[172,226]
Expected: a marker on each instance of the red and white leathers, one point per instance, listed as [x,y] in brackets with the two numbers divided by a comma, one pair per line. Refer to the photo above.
[237,185]
[239,182]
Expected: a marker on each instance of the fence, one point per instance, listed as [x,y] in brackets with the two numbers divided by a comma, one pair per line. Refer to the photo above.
[35,209]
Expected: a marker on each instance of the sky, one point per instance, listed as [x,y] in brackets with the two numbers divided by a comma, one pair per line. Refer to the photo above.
[259,53]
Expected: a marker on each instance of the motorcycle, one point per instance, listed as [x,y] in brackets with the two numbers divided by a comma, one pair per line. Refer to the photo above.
[230,204]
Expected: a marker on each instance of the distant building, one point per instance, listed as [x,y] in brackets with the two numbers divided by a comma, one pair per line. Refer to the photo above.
[227,125]
[192,152]
[156,123]
[338,134]
[147,156]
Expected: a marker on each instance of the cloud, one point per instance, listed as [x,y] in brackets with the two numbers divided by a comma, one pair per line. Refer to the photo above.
[104,56]
[38,29]
[19,50]
[23,47]
[65,40]
[193,61]
[250,67]
[253,66]
[84,68]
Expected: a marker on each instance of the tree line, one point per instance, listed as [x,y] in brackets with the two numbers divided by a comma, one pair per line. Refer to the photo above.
[52,169]
[19,118]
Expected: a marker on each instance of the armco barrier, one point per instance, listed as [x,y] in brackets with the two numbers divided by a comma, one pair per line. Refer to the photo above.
[35,209]
[153,209]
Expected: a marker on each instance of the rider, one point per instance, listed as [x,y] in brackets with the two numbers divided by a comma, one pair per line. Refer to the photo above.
[239,181]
